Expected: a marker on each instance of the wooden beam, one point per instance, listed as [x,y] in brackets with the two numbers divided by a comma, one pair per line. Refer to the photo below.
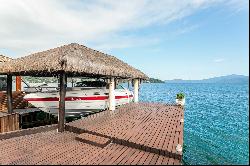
[61,114]
[112,94]
[18,83]
[9,93]
[136,90]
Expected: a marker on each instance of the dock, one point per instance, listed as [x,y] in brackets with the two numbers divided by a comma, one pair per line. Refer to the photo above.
[136,133]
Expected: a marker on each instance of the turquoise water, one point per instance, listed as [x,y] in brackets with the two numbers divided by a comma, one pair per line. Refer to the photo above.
[216,120]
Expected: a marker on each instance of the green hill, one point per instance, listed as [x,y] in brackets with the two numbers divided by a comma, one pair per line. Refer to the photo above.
[154,80]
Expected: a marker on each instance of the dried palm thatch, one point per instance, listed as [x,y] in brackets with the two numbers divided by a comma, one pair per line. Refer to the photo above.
[4,58]
[75,60]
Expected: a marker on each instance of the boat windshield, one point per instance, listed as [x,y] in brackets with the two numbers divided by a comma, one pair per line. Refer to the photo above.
[119,87]
[91,84]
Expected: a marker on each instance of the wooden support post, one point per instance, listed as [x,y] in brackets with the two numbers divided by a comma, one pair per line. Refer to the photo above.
[66,80]
[72,82]
[9,93]
[18,83]
[17,121]
[136,90]
[115,83]
[61,114]
[112,94]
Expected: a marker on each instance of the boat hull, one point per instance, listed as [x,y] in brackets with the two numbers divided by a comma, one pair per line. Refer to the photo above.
[78,102]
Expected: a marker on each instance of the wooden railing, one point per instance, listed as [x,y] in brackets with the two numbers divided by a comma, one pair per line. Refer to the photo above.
[9,122]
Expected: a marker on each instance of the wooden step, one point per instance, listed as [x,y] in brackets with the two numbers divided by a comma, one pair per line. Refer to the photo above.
[93,139]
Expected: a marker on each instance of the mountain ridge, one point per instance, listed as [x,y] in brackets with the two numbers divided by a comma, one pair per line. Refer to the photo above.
[233,78]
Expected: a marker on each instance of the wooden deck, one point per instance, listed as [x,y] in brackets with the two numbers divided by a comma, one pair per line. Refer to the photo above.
[62,148]
[140,133]
[156,128]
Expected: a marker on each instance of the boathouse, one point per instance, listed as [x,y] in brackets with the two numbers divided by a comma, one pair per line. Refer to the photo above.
[137,133]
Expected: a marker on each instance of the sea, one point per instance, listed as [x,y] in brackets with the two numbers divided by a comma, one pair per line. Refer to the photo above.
[216,126]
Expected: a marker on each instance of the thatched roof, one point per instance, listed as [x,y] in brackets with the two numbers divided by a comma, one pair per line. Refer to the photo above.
[74,59]
[4,58]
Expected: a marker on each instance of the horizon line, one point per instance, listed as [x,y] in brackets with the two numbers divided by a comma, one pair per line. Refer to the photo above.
[201,78]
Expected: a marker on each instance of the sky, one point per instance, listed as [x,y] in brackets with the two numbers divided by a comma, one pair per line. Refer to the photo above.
[166,39]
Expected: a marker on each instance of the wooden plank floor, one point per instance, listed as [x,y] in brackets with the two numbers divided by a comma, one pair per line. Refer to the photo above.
[151,127]
[62,148]
[142,134]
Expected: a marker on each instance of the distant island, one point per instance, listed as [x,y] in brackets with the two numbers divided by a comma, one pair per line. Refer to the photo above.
[154,80]
[222,79]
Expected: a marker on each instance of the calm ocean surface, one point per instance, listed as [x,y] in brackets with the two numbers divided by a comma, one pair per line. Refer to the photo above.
[216,124]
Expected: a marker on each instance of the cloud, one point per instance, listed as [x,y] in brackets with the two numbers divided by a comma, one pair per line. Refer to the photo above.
[219,60]
[29,26]
[238,5]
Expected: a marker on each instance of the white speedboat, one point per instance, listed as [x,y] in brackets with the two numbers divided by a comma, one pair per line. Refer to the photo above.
[86,97]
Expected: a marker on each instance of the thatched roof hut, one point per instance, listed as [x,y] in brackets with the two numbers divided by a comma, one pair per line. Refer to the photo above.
[75,60]
[4,58]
